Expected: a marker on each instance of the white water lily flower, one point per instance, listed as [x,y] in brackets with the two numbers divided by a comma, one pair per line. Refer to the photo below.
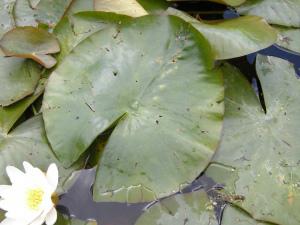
[28,200]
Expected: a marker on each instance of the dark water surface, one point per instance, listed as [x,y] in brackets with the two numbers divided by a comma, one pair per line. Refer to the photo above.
[78,201]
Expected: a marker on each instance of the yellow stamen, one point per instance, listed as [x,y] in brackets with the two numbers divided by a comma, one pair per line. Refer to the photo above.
[35,198]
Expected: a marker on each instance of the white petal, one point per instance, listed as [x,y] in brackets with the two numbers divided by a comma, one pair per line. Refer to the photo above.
[5,191]
[27,167]
[52,176]
[39,220]
[15,175]
[9,221]
[51,217]
[6,205]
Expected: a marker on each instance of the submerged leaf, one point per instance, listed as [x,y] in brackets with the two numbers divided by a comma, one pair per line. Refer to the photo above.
[280,12]
[233,37]
[64,220]
[169,99]
[125,7]
[192,208]
[30,42]
[259,153]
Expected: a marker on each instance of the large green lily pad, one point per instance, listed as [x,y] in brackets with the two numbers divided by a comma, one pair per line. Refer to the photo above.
[32,43]
[259,153]
[6,17]
[188,209]
[29,143]
[153,78]
[280,12]
[64,220]
[233,37]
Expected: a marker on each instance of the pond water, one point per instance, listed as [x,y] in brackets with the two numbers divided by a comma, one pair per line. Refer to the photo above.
[77,202]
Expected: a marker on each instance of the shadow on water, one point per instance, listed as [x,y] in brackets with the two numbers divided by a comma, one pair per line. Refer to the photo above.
[78,202]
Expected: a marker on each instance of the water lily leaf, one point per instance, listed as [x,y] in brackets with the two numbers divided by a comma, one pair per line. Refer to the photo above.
[154,6]
[29,143]
[280,12]
[71,31]
[191,208]
[80,6]
[158,92]
[125,7]
[47,12]
[235,216]
[9,115]
[226,2]
[259,153]
[18,79]
[30,42]
[6,17]
[233,37]
[289,39]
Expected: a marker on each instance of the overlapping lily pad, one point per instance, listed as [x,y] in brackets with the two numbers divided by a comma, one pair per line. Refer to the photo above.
[125,7]
[259,153]
[32,43]
[233,37]
[153,78]
[280,12]
[29,143]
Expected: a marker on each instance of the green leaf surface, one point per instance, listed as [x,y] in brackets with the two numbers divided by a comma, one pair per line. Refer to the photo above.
[226,2]
[18,79]
[73,30]
[280,12]
[6,16]
[48,12]
[259,153]
[124,7]
[30,42]
[9,115]
[233,37]
[154,6]
[289,38]
[167,94]
[29,143]
[235,216]
[188,209]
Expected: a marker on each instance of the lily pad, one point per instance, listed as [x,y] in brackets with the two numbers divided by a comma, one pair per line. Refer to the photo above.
[18,79]
[125,7]
[289,38]
[280,12]
[226,2]
[6,17]
[235,216]
[233,37]
[153,93]
[48,12]
[30,42]
[188,209]
[9,115]
[259,153]
[29,143]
